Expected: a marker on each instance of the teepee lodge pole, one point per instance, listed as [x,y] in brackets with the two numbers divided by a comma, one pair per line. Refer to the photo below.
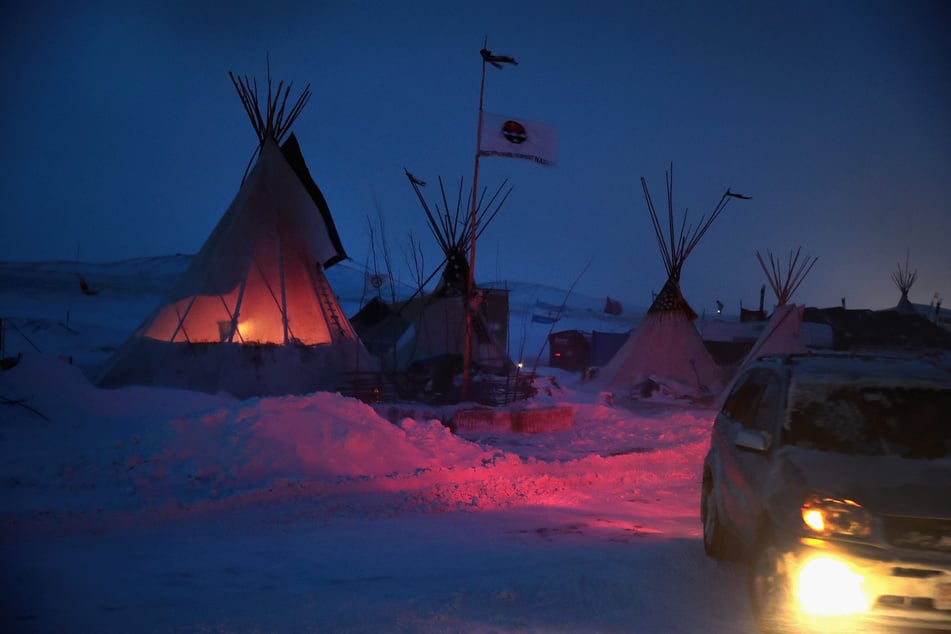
[274,122]
[905,278]
[784,285]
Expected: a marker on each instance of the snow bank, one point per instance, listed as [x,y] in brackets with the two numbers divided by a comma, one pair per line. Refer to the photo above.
[71,450]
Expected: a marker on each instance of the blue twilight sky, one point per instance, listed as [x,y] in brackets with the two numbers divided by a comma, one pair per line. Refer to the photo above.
[121,134]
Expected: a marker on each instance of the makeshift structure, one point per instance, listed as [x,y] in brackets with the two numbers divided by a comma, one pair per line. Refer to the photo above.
[425,335]
[605,344]
[664,354]
[569,350]
[254,314]
[854,330]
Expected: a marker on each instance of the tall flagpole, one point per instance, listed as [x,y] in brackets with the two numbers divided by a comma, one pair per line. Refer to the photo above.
[470,286]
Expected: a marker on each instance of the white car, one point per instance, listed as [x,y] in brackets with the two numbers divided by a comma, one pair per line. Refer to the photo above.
[831,476]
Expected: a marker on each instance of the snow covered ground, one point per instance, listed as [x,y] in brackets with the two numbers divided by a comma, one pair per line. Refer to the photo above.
[157,510]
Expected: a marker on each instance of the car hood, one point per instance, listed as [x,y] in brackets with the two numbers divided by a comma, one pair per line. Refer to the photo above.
[885,485]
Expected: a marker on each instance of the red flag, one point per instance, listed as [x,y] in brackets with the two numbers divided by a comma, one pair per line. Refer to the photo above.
[612,306]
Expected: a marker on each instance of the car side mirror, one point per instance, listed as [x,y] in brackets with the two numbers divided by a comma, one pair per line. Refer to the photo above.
[753,440]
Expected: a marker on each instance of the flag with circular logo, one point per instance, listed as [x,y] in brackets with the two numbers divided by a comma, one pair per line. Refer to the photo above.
[513,137]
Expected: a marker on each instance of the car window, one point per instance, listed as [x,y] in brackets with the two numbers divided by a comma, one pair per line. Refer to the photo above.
[741,403]
[766,410]
[755,401]
[870,420]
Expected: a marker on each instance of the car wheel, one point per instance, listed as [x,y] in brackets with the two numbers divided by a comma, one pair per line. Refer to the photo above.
[716,541]
[770,589]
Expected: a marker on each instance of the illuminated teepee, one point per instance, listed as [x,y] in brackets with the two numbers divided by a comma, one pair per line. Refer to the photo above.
[254,314]
[665,352]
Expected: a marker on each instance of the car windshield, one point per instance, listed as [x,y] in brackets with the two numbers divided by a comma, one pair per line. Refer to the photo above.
[912,422]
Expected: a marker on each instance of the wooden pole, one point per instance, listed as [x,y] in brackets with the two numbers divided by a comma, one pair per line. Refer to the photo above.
[470,286]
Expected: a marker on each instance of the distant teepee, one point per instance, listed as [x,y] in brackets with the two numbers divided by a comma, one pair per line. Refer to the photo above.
[782,332]
[904,279]
[254,314]
[666,351]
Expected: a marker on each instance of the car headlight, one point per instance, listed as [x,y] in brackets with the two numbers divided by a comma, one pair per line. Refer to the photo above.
[830,516]
[827,587]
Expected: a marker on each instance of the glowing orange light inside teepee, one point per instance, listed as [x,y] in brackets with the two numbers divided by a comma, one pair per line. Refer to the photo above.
[246,329]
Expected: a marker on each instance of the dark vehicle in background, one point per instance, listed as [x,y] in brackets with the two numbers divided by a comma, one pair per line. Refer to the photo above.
[831,476]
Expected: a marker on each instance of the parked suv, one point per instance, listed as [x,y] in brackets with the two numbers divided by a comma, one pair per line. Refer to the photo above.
[831,476]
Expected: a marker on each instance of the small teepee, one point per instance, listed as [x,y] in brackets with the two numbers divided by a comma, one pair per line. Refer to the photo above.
[425,335]
[904,279]
[438,319]
[254,314]
[665,353]
[782,333]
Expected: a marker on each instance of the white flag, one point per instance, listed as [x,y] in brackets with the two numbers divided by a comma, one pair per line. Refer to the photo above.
[545,313]
[517,138]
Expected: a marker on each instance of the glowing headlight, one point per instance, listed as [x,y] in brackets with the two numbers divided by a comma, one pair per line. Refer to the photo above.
[827,516]
[827,587]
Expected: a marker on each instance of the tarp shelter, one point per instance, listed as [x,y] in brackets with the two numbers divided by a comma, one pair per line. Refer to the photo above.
[604,345]
[569,350]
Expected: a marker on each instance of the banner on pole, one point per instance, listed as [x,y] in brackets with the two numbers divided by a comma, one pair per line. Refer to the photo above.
[512,137]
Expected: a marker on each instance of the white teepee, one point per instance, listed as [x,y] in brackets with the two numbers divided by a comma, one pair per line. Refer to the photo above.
[665,354]
[254,314]
[782,334]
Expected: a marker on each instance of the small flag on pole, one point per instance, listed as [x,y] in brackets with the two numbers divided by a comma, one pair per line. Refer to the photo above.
[496,60]
[517,138]
[413,179]
[545,313]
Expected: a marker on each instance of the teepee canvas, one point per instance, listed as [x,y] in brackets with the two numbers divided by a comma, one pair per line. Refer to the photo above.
[439,319]
[254,314]
[782,334]
[665,354]
[428,330]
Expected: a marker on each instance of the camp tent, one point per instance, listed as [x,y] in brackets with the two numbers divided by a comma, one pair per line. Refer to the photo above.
[782,334]
[254,313]
[904,279]
[665,354]
[428,330]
